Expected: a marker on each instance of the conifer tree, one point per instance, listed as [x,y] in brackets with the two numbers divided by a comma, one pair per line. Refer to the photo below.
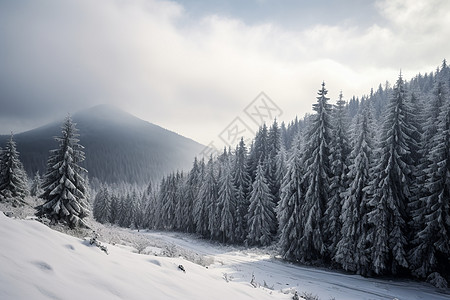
[36,189]
[258,151]
[241,181]
[207,194]
[261,216]
[289,210]
[64,185]
[317,178]
[340,150]
[391,188]
[114,209]
[169,203]
[193,184]
[102,205]
[227,204]
[431,243]
[352,248]
[13,179]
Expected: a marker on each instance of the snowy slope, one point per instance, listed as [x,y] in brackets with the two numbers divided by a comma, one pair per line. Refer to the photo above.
[39,263]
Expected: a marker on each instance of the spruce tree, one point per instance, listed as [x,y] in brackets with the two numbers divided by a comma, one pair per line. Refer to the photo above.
[169,203]
[114,209]
[102,205]
[227,204]
[193,184]
[289,210]
[13,179]
[340,151]
[261,216]
[352,248]
[64,185]
[391,188]
[36,189]
[431,242]
[241,181]
[317,178]
[207,195]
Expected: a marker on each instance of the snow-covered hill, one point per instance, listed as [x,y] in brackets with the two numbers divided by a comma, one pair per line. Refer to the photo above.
[40,263]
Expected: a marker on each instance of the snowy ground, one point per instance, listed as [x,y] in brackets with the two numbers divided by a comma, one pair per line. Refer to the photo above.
[40,263]
[240,264]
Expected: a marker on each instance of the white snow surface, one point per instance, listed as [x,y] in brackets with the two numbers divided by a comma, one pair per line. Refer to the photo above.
[37,262]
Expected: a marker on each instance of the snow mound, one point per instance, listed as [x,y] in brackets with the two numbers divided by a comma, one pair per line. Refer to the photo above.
[40,263]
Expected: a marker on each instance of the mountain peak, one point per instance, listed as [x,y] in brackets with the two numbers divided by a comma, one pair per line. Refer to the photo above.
[118,146]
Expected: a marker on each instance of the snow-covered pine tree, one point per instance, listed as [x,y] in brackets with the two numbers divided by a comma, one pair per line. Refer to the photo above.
[390,187]
[261,216]
[340,151]
[289,209]
[352,249]
[214,209]
[431,242]
[114,208]
[207,194]
[36,189]
[148,208]
[64,185]
[13,179]
[258,151]
[137,210]
[227,204]
[122,212]
[418,159]
[317,178]
[193,183]
[102,205]
[180,192]
[169,203]
[274,146]
[241,181]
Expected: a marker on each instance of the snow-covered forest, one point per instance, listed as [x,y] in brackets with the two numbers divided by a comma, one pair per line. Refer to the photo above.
[362,185]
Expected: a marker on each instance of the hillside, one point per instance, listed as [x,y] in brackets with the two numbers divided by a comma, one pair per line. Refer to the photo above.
[118,146]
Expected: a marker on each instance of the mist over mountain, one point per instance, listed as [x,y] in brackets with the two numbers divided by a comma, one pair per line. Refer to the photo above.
[118,146]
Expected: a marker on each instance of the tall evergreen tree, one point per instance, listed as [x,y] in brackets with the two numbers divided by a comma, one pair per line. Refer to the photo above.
[352,248]
[258,151]
[227,204]
[207,195]
[102,205]
[169,203]
[317,178]
[13,179]
[64,185]
[193,183]
[340,151]
[114,209]
[289,210]
[261,216]
[432,241]
[242,183]
[391,187]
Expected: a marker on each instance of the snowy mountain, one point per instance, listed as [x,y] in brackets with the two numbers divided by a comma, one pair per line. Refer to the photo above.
[118,146]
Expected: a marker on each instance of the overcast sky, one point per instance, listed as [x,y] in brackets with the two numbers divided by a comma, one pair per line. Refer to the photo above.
[194,66]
